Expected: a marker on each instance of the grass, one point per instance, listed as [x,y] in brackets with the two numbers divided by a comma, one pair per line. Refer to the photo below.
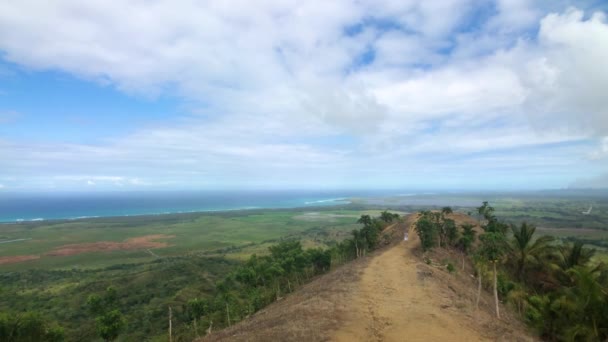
[233,234]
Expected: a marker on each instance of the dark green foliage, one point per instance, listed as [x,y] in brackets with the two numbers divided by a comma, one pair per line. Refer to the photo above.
[258,282]
[485,211]
[434,229]
[365,220]
[28,327]
[557,289]
[388,217]
[525,250]
[451,268]
[467,238]
[109,321]
[110,324]
[450,232]
[263,279]
[493,246]
[143,293]
[427,231]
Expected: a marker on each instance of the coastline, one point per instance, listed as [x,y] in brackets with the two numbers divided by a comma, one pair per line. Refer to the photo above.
[317,204]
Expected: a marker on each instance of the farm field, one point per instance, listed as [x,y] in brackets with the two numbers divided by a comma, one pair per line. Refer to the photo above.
[102,242]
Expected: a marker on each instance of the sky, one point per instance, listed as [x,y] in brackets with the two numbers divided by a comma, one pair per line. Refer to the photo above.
[344,94]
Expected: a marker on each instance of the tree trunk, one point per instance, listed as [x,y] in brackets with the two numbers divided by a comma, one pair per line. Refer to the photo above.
[463,261]
[228,313]
[170,326]
[195,328]
[478,288]
[210,327]
[496,291]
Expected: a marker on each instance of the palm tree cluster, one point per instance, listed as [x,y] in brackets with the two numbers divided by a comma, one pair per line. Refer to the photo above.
[556,287]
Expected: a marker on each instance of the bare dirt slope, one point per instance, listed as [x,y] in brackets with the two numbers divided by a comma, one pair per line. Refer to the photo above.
[391,295]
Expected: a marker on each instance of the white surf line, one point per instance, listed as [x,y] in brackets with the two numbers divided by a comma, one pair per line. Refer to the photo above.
[16,240]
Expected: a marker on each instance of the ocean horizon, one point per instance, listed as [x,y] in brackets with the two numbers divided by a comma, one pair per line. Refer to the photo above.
[27,207]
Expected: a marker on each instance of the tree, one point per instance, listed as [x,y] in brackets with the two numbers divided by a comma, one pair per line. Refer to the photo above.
[358,242]
[321,260]
[109,320]
[427,231]
[365,220]
[467,238]
[197,308]
[588,303]
[570,255]
[492,249]
[110,324]
[446,210]
[523,249]
[28,327]
[386,217]
[485,211]
[450,231]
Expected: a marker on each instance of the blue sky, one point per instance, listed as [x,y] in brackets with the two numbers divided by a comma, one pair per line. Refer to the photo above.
[450,94]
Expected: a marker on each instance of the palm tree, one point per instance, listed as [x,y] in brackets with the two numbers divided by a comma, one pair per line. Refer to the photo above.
[587,301]
[524,249]
[567,257]
[573,255]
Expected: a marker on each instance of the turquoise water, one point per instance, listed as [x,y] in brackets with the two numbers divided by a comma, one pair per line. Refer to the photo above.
[47,206]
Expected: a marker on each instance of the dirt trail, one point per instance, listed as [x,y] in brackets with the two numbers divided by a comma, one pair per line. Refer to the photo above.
[395,302]
[391,295]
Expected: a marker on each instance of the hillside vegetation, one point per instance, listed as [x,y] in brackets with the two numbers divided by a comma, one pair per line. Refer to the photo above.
[472,275]
[455,278]
[210,287]
[555,287]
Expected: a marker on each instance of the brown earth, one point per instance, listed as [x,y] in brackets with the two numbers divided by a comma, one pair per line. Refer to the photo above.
[399,297]
[391,295]
[17,258]
[140,242]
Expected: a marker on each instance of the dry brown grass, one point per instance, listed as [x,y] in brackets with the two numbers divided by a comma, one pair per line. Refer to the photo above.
[17,258]
[140,242]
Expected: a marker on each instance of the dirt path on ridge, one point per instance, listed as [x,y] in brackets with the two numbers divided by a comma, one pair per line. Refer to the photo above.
[395,302]
[391,295]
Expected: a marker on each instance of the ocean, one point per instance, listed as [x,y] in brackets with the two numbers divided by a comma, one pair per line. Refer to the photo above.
[17,207]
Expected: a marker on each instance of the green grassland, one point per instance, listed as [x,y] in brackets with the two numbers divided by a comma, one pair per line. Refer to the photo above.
[235,234]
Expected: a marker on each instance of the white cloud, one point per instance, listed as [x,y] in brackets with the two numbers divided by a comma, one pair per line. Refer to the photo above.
[602,151]
[286,92]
